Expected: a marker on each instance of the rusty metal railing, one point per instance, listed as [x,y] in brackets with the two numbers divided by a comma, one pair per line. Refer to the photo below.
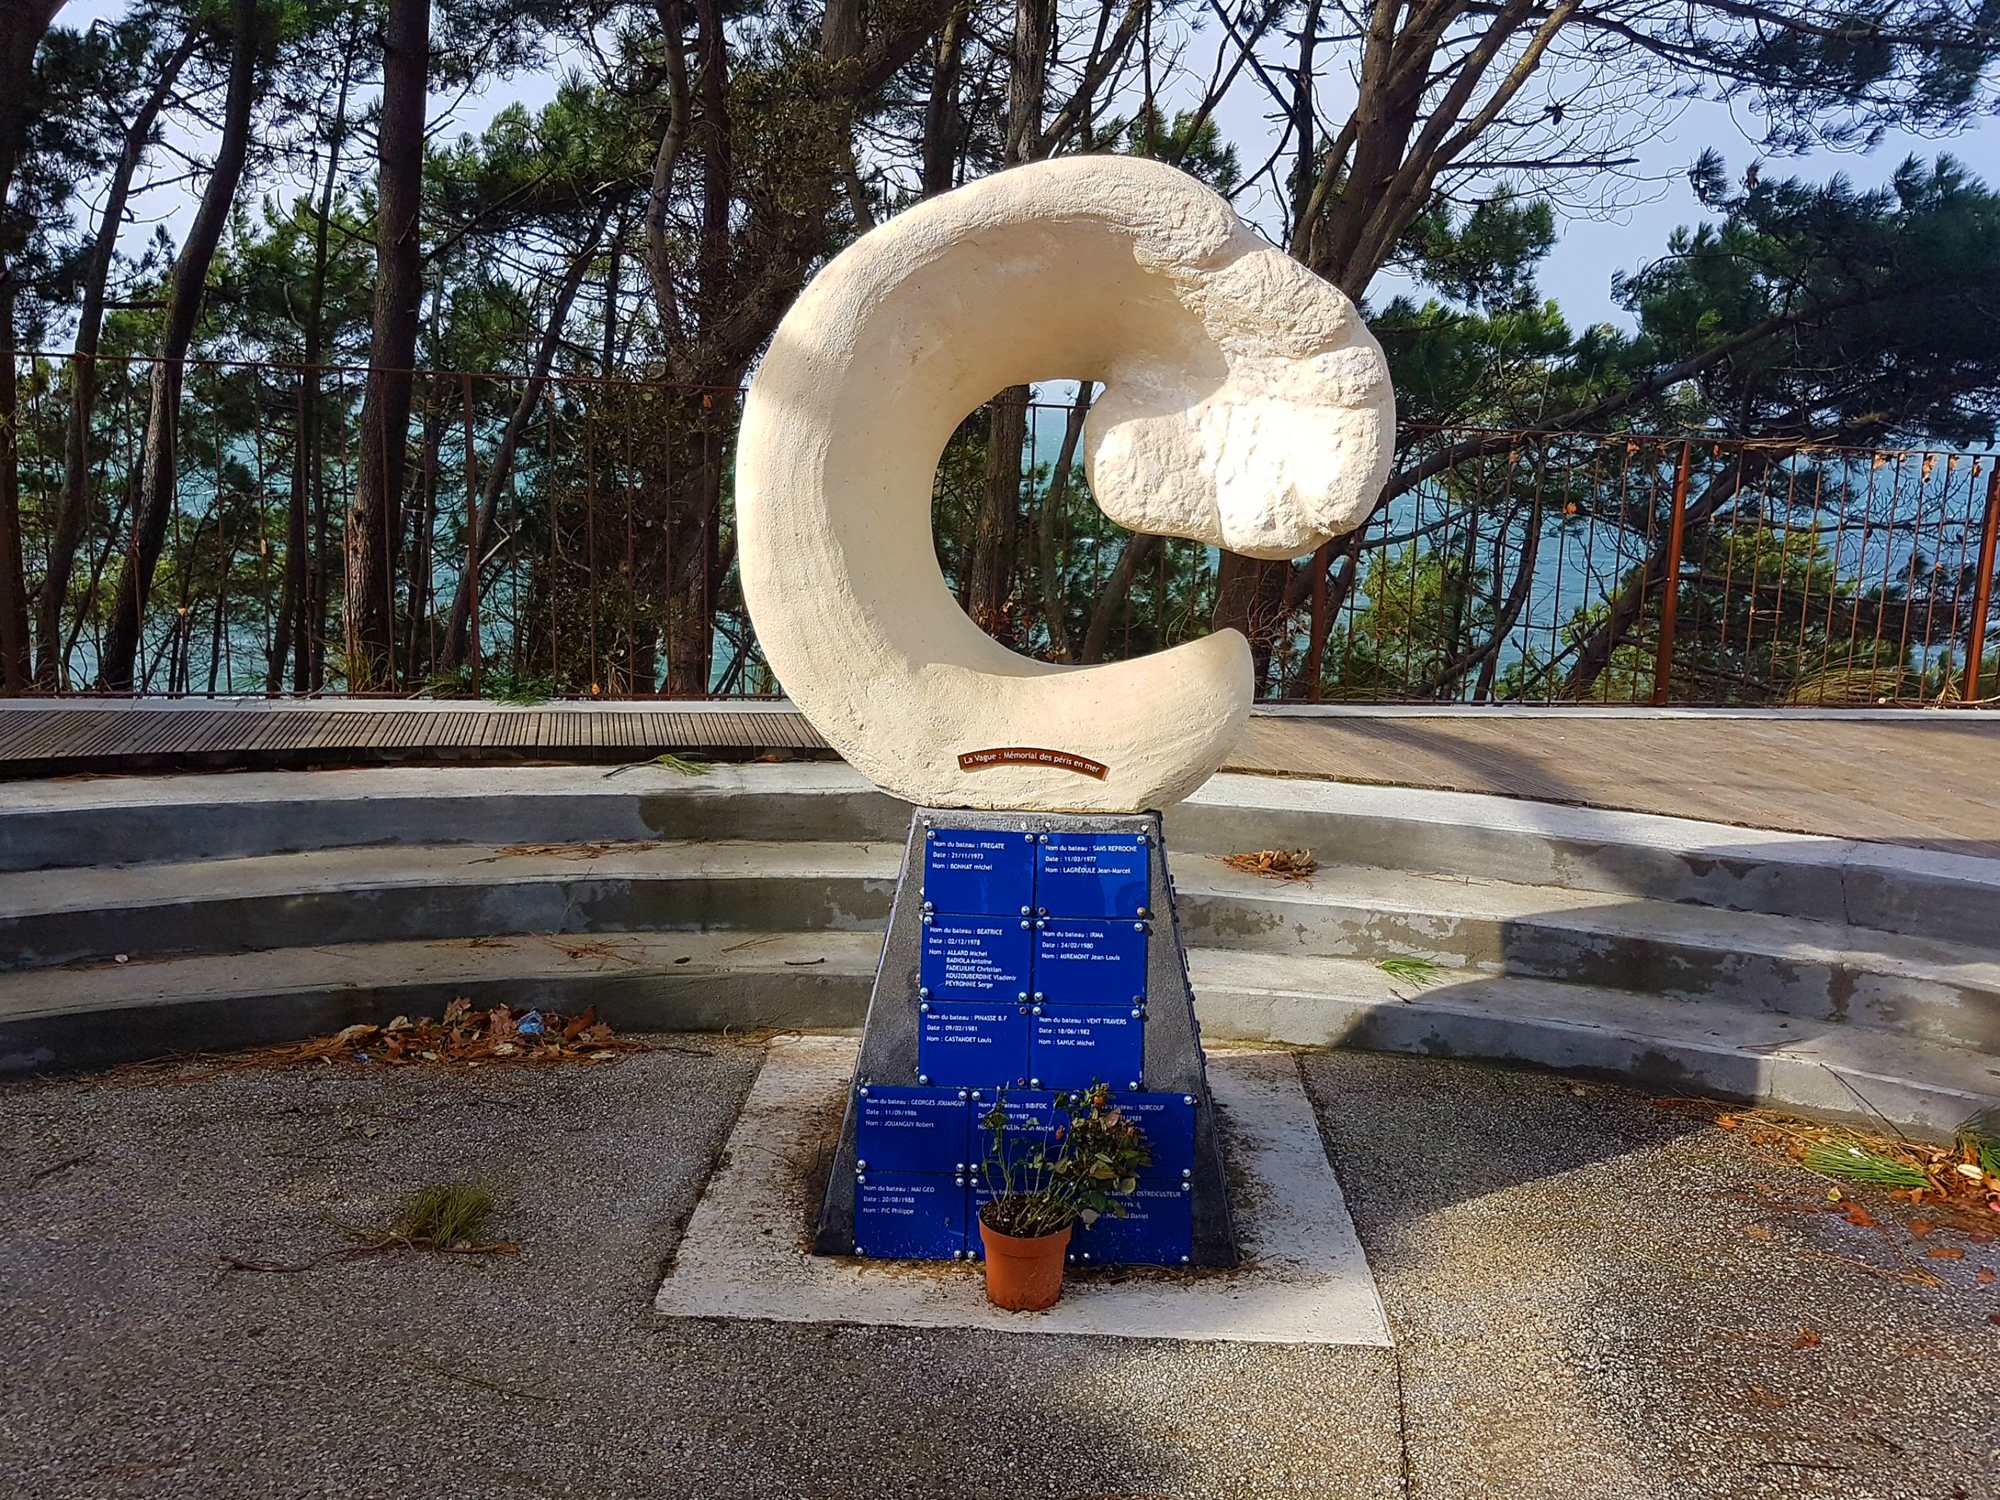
[574,538]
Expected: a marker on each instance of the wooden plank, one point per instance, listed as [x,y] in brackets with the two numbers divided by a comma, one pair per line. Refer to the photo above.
[37,731]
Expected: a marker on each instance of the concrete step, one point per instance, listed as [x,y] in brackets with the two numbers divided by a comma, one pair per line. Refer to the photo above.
[180,818]
[258,906]
[349,895]
[1842,1072]
[1916,892]
[1816,971]
[96,1015]
[146,819]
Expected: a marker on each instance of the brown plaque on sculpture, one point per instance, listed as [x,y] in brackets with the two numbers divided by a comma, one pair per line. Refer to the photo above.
[1028,755]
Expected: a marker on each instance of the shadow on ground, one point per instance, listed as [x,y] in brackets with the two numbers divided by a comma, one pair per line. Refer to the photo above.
[133,1364]
[1594,1297]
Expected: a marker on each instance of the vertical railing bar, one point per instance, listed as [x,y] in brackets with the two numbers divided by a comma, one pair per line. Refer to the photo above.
[1663,661]
[1982,597]
[1888,570]
[1937,568]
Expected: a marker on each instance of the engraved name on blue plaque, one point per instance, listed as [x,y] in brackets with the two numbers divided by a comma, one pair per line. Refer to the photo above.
[979,870]
[977,1195]
[909,1215]
[975,958]
[1032,1121]
[1090,962]
[971,1045]
[1168,1120]
[1157,1230]
[1092,875]
[1077,1045]
[901,1129]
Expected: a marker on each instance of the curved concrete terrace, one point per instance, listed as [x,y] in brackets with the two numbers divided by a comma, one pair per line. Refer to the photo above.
[1833,975]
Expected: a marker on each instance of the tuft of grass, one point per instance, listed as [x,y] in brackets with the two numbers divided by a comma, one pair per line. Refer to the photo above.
[1846,1160]
[1847,687]
[1417,971]
[669,761]
[1979,1139]
[685,767]
[444,1216]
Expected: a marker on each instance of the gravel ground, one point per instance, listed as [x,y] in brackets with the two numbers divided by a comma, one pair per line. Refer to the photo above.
[133,1364]
[1598,1296]
[1594,1297]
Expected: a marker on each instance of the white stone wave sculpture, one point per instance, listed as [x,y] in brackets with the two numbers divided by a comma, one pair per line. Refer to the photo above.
[1245,405]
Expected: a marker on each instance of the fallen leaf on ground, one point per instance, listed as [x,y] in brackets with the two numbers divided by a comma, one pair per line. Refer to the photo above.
[1807,1339]
[1985,1276]
[1758,1232]
[1921,1227]
[1727,1122]
[465,1036]
[1945,1252]
[1761,1397]
[1280,864]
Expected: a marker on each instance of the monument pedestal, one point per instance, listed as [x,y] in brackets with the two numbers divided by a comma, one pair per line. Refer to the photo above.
[1034,952]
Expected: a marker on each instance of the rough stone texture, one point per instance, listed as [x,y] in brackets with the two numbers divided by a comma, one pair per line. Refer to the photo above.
[132,1365]
[1582,1310]
[1245,406]
[1598,1296]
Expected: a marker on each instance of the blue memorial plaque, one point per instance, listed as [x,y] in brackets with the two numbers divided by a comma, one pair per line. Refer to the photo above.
[1078,1045]
[1157,1230]
[1090,962]
[975,958]
[1031,1122]
[898,1129]
[1092,875]
[976,1194]
[977,870]
[972,1046]
[909,1215]
[1168,1120]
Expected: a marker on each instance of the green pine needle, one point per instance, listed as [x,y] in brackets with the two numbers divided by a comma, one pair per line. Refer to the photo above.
[1417,971]
[1849,1161]
[685,767]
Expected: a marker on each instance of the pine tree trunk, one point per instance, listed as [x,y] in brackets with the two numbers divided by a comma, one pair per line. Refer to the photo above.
[23,24]
[385,407]
[997,528]
[297,624]
[456,647]
[74,509]
[159,481]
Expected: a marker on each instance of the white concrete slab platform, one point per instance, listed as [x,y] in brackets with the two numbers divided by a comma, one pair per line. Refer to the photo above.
[1304,1279]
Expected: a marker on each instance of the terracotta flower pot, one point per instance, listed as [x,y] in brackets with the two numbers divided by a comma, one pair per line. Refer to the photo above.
[1023,1275]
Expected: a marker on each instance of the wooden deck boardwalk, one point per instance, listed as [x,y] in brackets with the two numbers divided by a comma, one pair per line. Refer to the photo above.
[1931,780]
[41,740]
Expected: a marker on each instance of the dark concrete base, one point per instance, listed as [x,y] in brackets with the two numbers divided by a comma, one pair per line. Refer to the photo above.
[1173,1057]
